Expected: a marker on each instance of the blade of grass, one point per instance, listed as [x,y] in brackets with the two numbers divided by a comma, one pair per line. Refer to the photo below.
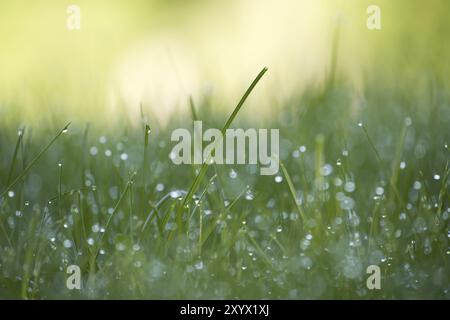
[192,105]
[383,168]
[33,161]
[16,151]
[292,190]
[198,179]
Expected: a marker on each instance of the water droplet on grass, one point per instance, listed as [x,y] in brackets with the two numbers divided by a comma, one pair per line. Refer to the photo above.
[347,203]
[417,185]
[95,228]
[379,191]
[249,195]
[93,151]
[326,170]
[67,244]
[120,246]
[199,265]
[175,194]
[349,186]
[351,267]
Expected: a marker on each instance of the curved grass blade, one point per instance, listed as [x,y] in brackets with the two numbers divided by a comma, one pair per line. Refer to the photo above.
[199,178]
[292,190]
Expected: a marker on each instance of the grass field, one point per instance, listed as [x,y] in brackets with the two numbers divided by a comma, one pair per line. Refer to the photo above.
[355,190]
[364,173]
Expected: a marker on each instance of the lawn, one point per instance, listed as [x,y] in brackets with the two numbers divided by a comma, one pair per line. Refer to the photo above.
[89,188]
[355,189]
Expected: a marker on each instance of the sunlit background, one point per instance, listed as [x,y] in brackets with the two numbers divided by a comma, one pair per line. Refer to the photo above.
[157,53]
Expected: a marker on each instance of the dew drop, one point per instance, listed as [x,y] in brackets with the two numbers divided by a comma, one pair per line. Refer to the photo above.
[67,244]
[199,265]
[120,246]
[417,185]
[95,228]
[349,186]
[93,151]
[326,170]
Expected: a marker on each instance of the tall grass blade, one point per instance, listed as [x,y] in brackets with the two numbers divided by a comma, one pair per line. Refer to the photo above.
[33,161]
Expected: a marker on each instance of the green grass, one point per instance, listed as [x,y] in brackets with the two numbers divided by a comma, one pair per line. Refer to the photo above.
[141,227]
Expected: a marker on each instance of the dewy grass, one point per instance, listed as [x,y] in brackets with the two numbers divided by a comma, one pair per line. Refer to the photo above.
[242,235]
[202,172]
[33,161]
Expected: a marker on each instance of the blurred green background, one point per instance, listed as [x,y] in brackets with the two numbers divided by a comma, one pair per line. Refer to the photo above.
[157,53]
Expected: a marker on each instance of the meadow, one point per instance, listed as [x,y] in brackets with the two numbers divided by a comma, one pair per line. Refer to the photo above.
[353,191]
[364,175]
